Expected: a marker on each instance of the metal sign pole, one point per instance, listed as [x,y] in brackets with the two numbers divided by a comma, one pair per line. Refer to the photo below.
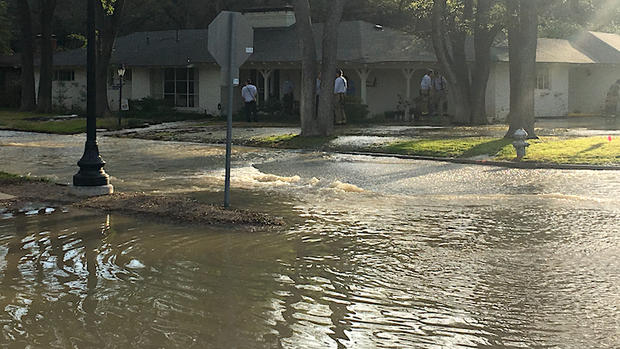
[231,41]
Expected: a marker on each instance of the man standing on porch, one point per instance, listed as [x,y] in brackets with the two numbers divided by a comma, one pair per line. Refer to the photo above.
[249,93]
[425,91]
[340,90]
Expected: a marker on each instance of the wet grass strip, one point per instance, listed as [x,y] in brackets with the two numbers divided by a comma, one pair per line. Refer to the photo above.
[50,123]
[9,178]
[449,148]
[291,141]
[45,123]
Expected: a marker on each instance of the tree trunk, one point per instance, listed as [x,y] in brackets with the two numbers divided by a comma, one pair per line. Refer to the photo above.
[44,104]
[108,24]
[28,95]
[328,71]
[529,29]
[484,34]
[309,124]
[522,44]
[450,51]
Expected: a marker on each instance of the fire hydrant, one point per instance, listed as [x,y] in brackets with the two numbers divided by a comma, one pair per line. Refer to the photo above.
[519,143]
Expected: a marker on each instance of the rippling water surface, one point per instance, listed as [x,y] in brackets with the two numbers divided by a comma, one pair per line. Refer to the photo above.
[379,253]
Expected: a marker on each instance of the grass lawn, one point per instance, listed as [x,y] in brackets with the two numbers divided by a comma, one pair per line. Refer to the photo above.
[450,148]
[585,150]
[9,178]
[35,122]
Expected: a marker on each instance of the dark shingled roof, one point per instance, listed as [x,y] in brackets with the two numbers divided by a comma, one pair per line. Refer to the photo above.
[358,42]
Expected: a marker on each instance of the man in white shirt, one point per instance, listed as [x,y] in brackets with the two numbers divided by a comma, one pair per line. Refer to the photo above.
[249,93]
[340,89]
[425,91]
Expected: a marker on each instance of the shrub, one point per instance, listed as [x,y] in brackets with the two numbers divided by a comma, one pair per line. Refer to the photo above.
[355,110]
[149,105]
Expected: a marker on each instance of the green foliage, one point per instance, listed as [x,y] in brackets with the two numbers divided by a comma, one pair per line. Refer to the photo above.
[564,18]
[150,105]
[108,6]
[355,110]
[77,40]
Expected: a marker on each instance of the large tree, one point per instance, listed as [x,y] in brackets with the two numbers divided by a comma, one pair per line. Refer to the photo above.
[46,73]
[309,122]
[5,28]
[109,13]
[452,24]
[522,44]
[329,65]
[28,96]
[321,122]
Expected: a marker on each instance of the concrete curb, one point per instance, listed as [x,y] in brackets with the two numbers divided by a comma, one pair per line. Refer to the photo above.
[521,165]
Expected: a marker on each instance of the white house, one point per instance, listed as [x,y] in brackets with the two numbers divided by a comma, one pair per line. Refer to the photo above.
[381,64]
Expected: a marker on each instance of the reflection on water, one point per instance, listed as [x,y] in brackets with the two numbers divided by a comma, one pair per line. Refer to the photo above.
[479,277]
[423,255]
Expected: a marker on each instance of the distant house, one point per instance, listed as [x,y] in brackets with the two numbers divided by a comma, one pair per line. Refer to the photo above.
[381,64]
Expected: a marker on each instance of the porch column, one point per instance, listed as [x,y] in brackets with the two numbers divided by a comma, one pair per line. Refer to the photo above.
[408,73]
[266,73]
[363,73]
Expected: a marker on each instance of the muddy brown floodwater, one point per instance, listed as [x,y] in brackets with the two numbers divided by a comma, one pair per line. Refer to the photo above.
[377,253]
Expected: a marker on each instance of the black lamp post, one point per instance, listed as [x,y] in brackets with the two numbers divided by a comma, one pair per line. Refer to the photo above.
[91,179]
[121,74]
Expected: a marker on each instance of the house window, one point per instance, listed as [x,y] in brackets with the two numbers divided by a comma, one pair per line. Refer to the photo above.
[64,75]
[179,87]
[543,80]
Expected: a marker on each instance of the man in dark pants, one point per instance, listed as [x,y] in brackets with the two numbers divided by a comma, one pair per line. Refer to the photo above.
[340,89]
[249,93]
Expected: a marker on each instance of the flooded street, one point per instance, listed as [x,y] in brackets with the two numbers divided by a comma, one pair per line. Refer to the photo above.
[377,253]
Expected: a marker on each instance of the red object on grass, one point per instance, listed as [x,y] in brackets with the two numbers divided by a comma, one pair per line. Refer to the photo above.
[609,138]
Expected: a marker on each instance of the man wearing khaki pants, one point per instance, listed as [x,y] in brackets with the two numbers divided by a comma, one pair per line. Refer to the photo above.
[340,89]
